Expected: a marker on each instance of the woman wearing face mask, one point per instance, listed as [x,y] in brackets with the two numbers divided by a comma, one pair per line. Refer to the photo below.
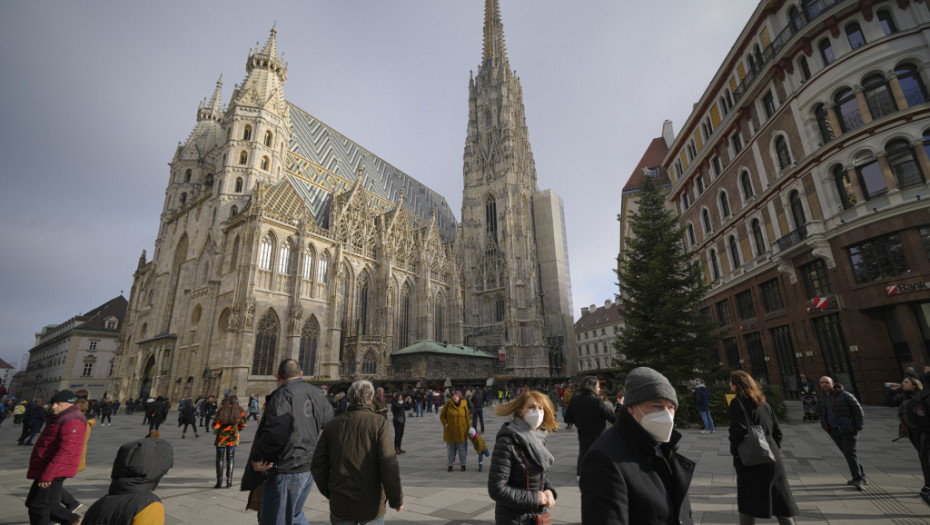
[517,481]
[762,490]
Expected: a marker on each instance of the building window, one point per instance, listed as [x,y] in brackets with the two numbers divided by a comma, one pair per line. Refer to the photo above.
[925,239]
[691,238]
[805,68]
[854,35]
[284,261]
[323,269]
[361,307]
[887,23]
[797,209]
[700,184]
[714,265]
[744,305]
[878,258]
[264,252]
[768,104]
[247,132]
[490,213]
[715,166]
[782,152]
[499,309]
[911,84]
[369,363]
[187,176]
[243,157]
[112,365]
[757,236]
[183,199]
[871,179]
[746,184]
[88,369]
[737,143]
[844,187]
[815,278]
[826,51]
[265,163]
[93,345]
[438,321]
[723,313]
[734,253]
[685,198]
[309,341]
[758,369]
[878,96]
[771,296]
[705,220]
[405,319]
[266,340]
[724,205]
[268,138]
[823,123]
[731,349]
[903,163]
[239,185]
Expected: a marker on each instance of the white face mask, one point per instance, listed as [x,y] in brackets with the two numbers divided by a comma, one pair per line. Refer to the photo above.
[658,424]
[533,418]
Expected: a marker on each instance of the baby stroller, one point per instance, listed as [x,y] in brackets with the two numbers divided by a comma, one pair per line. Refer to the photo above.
[810,407]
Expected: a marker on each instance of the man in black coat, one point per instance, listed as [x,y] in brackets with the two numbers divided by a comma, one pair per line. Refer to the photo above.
[590,414]
[842,417]
[158,413]
[287,434]
[633,473]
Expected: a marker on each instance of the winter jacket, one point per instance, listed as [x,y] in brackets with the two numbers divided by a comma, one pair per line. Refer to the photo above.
[35,415]
[509,478]
[158,411]
[762,491]
[900,399]
[20,409]
[138,468]
[187,415]
[626,479]
[399,411]
[106,408]
[702,398]
[228,435]
[357,475]
[842,406]
[455,421]
[82,464]
[590,414]
[295,413]
[57,452]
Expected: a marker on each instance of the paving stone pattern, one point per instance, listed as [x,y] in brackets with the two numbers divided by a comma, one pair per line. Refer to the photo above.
[816,469]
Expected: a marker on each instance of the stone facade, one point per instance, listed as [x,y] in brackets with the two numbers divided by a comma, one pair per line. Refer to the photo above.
[595,334]
[75,355]
[280,237]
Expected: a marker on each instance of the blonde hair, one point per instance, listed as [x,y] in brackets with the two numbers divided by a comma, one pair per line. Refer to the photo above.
[510,409]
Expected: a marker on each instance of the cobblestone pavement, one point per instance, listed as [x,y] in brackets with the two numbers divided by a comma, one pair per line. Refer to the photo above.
[816,470]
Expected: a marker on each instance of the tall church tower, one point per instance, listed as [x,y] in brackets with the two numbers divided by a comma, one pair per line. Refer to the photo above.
[504,299]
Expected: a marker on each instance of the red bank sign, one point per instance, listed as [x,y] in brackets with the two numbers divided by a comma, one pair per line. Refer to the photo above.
[897,289]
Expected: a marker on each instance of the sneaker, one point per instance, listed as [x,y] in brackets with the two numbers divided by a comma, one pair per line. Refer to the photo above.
[857,484]
[925,496]
[450,469]
[463,468]
[480,467]
[182,436]
[862,481]
[705,432]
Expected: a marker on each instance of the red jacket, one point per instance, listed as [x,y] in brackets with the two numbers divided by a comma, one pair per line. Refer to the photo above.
[58,451]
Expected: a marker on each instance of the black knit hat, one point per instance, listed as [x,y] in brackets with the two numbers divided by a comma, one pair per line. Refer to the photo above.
[64,396]
[645,384]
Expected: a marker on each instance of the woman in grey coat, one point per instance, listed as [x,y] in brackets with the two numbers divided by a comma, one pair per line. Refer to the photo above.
[762,491]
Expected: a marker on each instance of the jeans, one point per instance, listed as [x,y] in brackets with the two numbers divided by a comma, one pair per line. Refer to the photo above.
[418,408]
[335,520]
[921,442]
[457,446]
[45,504]
[283,498]
[398,433]
[847,441]
[478,415]
[708,421]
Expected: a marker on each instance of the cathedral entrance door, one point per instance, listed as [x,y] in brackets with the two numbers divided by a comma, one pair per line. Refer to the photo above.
[146,385]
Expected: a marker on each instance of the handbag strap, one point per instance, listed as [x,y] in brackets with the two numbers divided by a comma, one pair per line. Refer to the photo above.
[742,405]
[527,464]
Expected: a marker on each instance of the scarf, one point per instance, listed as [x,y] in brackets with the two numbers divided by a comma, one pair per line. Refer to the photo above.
[532,441]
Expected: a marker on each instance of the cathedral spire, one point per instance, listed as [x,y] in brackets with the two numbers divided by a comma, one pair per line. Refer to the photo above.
[494,47]
[268,57]
[213,109]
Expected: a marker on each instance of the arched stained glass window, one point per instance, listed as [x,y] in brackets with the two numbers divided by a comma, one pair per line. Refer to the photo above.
[266,340]
[309,340]
[265,251]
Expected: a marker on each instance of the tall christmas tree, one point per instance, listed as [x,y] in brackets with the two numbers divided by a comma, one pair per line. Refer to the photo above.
[659,294]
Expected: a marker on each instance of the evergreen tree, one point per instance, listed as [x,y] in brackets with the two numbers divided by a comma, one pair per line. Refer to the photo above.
[659,295]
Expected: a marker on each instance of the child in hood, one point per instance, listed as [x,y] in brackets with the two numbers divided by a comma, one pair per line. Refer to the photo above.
[481,448]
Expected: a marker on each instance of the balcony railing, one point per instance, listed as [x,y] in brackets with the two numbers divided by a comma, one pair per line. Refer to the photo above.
[792,238]
[813,11]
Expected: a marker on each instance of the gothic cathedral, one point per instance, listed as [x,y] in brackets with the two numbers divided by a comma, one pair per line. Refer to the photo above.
[280,237]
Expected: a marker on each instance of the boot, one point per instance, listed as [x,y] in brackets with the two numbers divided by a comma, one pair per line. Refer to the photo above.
[220,453]
[230,461]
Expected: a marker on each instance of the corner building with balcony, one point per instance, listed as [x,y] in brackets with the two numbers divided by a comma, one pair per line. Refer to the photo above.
[282,238]
[801,182]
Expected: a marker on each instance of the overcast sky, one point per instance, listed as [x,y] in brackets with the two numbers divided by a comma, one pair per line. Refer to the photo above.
[95,95]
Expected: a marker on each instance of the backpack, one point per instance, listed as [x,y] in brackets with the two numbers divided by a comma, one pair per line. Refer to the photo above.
[914,414]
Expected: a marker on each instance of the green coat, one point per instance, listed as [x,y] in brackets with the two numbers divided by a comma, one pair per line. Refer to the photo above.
[455,421]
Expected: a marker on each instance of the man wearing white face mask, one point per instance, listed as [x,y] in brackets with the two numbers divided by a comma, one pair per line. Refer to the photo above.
[633,473]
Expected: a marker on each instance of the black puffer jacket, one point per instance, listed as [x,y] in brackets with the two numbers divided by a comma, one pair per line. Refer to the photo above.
[508,479]
[843,406]
[138,468]
[591,415]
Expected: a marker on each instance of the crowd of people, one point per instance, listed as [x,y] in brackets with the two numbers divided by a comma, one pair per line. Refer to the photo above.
[628,468]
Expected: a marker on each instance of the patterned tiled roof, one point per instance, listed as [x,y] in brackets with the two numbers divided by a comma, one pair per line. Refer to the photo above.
[321,163]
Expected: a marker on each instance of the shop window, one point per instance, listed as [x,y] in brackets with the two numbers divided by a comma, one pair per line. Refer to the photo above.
[744,305]
[731,349]
[771,296]
[815,278]
[878,258]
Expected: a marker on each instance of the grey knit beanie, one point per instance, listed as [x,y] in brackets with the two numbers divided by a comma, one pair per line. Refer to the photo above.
[644,384]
